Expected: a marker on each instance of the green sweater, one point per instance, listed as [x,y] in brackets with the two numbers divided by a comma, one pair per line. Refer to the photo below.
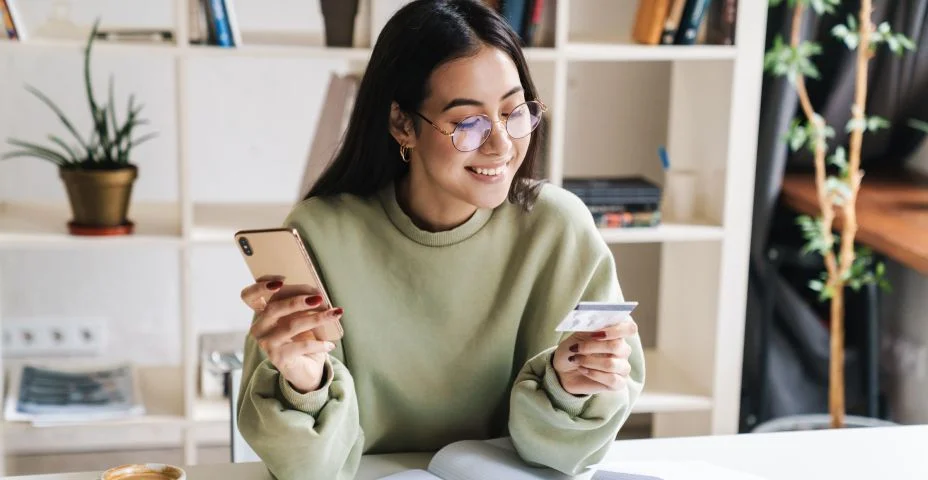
[448,336]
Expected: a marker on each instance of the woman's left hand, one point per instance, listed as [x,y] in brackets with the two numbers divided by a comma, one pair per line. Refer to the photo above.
[594,362]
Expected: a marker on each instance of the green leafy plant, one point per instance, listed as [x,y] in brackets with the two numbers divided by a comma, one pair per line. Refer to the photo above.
[837,176]
[110,143]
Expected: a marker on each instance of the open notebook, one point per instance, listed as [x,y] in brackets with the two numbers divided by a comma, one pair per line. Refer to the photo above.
[497,458]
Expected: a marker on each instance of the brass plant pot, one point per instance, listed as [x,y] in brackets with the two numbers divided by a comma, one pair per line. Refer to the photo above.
[99,199]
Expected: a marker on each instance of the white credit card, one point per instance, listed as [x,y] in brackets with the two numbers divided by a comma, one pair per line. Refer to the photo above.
[593,316]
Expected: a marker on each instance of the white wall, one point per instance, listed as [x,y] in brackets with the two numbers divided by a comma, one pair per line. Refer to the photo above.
[905,332]
[905,344]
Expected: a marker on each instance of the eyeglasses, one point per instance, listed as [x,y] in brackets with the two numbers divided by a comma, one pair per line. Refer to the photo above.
[472,132]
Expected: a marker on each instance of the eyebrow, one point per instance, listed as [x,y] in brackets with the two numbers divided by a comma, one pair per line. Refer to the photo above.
[457,102]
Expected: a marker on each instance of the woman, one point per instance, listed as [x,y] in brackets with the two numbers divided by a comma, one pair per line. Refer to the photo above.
[449,268]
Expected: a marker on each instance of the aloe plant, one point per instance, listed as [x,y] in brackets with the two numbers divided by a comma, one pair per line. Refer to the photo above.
[110,142]
[838,176]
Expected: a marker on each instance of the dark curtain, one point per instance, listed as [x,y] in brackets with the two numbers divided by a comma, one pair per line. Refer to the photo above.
[795,379]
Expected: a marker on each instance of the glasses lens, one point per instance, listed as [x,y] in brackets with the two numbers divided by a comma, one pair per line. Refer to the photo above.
[523,119]
[471,132]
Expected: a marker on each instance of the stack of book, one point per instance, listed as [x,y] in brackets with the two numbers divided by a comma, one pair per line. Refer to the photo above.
[619,202]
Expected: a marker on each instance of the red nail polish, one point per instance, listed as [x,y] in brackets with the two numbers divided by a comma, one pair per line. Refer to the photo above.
[575,348]
[274,285]
[313,300]
[599,335]
[338,311]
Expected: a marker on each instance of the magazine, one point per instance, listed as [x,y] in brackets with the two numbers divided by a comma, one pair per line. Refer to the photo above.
[42,393]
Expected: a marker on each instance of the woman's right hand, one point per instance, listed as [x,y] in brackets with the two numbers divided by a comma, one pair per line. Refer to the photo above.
[282,330]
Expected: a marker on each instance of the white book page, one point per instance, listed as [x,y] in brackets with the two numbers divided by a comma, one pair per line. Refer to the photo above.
[668,470]
[416,474]
[474,459]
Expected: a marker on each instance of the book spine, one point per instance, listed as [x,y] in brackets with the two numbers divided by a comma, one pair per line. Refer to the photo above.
[532,21]
[232,22]
[720,22]
[649,21]
[672,22]
[8,25]
[195,31]
[627,219]
[513,11]
[220,23]
[692,18]
[207,9]
[11,21]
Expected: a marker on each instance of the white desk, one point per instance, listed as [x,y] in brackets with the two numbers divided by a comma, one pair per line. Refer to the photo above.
[865,453]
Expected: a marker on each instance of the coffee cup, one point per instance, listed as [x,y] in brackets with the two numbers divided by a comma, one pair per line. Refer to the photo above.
[145,471]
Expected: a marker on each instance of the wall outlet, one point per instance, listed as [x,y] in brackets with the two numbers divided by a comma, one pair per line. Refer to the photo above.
[53,336]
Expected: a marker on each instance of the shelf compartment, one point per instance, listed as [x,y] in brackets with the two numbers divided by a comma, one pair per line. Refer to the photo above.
[283,44]
[31,225]
[664,233]
[282,49]
[606,51]
[106,46]
[161,426]
[667,389]
[218,222]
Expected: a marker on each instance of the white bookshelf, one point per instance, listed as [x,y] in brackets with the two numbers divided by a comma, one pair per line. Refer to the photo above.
[708,121]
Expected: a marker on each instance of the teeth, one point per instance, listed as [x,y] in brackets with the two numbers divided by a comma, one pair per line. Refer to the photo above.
[490,172]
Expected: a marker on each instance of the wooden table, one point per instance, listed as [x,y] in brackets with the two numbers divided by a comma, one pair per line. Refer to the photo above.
[892,213]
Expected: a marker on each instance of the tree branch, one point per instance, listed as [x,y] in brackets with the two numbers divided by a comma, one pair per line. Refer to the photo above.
[849,230]
[824,198]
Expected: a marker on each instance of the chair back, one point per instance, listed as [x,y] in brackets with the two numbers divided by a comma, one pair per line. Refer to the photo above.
[241,451]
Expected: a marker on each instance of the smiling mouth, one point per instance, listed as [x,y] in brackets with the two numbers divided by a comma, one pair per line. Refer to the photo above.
[489,172]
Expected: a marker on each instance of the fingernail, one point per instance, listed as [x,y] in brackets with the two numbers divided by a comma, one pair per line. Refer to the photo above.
[274,285]
[329,346]
[599,335]
[571,358]
[314,300]
[338,311]
[575,348]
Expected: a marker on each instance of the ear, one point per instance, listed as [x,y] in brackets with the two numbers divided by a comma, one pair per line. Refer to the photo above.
[401,126]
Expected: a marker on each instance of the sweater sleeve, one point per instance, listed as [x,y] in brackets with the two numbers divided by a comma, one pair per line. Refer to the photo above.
[297,436]
[553,428]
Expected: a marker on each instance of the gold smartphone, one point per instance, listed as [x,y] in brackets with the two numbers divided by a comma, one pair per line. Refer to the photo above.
[279,253]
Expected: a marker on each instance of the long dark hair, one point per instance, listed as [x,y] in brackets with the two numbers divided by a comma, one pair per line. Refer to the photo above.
[421,36]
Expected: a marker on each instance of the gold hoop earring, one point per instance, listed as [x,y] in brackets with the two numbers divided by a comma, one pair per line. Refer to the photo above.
[404,151]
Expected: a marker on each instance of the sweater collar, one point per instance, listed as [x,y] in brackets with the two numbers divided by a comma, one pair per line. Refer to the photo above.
[431,239]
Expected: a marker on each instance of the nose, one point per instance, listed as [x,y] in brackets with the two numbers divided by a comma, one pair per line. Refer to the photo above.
[499,142]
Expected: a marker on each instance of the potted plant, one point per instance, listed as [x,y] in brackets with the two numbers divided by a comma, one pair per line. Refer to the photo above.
[838,178]
[97,173]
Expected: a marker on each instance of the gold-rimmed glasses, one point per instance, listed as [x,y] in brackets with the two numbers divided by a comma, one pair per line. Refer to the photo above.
[470,133]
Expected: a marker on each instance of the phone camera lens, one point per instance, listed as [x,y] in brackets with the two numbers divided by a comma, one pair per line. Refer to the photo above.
[246,247]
